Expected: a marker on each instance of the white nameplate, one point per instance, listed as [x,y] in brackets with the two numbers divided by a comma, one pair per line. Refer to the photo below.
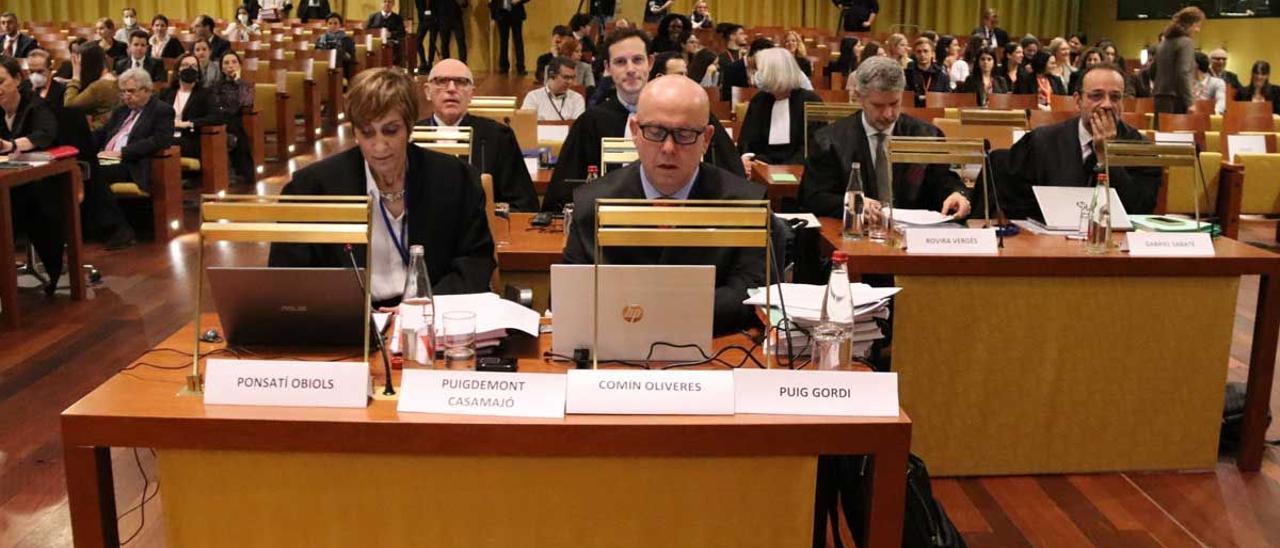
[952,241]
[618,392]
[838,393]
[286,383]
[538,395]
[1170,244]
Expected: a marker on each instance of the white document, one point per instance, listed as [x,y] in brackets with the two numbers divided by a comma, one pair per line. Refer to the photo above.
[531,164]
[1246,143]
[1175,137]
[552,134]
[286,383]
[538,395]
[920,217]
[1017,134]
[835,393]
[804,301]
[628,392]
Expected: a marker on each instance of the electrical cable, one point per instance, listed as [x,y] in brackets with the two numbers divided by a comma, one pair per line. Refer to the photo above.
[141,507]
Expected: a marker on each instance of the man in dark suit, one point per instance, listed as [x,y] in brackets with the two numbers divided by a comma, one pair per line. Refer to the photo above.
[864,138]
[738,73]
[40,80]
[203,28]
[448,21]
[433,197]
[1066,154]
[510,16]
[139,128]
[13,43]
[390,20]
[1218,67]
[139,56]
[313,9]
[671,133]
[494,148]
[989,30]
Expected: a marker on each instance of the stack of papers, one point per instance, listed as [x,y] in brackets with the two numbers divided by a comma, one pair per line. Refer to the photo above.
[494,317]
[919,217]
[804,308]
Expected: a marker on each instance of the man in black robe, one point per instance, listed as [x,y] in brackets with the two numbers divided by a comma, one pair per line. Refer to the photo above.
[628,64]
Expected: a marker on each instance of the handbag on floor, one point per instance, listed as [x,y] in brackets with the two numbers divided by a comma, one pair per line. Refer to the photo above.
[924,522]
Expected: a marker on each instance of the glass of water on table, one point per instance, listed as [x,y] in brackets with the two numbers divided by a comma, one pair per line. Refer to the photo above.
[460,340]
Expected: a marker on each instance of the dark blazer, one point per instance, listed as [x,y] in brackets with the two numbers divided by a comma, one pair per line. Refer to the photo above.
[835,147]
[1001,35]
[1232,80]
[517,12]
[1050,155]
[34,120]
[1027,85]
[445,208]
[973,84]
[53,99]
[732,75]
[117,50]
[152,133]
[305,11]
[603,7]
[199,110]
[1271,92]
[24,47]
[173,49]
[754,136]
[394,24]
[154,67]
[494,150]
[218,46]
[737,269]
[932,78]
[447,10]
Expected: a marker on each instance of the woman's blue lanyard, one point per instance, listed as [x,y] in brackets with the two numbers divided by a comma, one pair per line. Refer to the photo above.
[402,241]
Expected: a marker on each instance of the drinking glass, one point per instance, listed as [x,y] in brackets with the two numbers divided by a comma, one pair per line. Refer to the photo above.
[459,340]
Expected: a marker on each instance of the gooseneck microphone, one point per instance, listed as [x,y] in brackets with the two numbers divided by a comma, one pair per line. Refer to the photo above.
[387,390]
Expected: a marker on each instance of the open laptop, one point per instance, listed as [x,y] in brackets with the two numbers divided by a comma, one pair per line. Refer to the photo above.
[1061,207]
[289,306]
[640,305]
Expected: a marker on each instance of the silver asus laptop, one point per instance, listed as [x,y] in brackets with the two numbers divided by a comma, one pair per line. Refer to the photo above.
[289,306]
[1061,207]
[639,305]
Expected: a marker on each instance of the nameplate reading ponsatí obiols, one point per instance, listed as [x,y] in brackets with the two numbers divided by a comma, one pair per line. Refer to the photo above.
[286,383]
[617,392]
[836,393]
[538,395]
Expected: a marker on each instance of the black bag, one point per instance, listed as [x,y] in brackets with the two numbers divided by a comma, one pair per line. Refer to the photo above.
[924,523]
[1233,418]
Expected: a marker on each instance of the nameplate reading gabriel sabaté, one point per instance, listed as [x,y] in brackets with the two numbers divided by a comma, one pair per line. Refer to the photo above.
[1170,244]
[836,393]
[537,395]
[616,392]
[286,383]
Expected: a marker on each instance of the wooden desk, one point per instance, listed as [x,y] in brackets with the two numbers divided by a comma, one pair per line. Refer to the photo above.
[1006,363]
[528,258]
[339,477]
[68,172]
[777,191]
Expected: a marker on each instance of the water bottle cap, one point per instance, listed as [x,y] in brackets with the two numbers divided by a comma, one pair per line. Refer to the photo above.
[416,250]
[839,257]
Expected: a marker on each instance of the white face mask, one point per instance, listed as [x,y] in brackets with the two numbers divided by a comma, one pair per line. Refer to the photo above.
[38,80]
[244,19]
[130,21]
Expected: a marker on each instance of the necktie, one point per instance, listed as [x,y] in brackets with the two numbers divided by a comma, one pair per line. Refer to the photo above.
[10,44]
[1090,162]
[121,137]
[884,173]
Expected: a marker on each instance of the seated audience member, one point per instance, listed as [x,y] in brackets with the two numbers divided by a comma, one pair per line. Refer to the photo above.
[898,48]
[1260,88]
[735,44]
[137,56]
[128,24]
[557,101]
[314,9]
[701,62]
[1076,47]
[1207,87]
[388,19]
[864,138]
[773,128]
[1218,67]
[202,27]
[628,63]
[672,32]
[967,64]
[421,197]
[335,37]
[947,54]
[668,62]
[192,104]
[40,79]
[1012,68]
[1030,47]
[92,89]
[671,136]
[163,45]
[924,75]
[850,50]
[26,124]
[580,27]
[741,74]
[495,150]
[231,94]
[1090,57]
[558,35]
[1063,64]
[701,16]
[988,28]
[985,80]
[242,28]
[1066,153]
[794,45]
[138,129]
[655,10]
[572,49]
[13,43]
[105,29]
[1040,82]
[209,69]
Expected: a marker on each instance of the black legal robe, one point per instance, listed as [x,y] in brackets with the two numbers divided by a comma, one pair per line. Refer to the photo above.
[495,150]
[609,119]
[754,136]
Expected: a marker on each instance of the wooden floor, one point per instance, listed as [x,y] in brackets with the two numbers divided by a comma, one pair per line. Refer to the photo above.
[67,348]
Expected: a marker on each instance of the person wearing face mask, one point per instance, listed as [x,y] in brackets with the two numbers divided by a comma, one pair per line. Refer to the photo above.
[495,150]
[242,29]
[863,137]
[628,66]
[420,197]
[138,56]
[128,24]
[193,106]
[163,45]
[40,80]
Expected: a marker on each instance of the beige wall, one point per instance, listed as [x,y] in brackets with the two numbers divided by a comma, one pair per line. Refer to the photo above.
[1246,40]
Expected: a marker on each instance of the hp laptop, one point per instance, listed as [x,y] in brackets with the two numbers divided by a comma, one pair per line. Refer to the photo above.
[289,306]
[1061,206]
[639,305]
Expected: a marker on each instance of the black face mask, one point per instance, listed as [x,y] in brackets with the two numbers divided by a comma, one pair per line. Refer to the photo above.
[189,75]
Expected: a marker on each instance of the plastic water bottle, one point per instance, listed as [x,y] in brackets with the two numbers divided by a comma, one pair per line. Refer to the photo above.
[417,307]
[1098,236]
[854,201]
[833,336]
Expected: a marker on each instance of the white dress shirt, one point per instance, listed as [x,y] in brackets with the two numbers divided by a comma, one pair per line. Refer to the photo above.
[569,106]
[780,123]
[387,271]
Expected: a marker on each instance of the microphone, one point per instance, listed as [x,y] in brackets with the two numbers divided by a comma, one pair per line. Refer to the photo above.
[483,160]
[387,390]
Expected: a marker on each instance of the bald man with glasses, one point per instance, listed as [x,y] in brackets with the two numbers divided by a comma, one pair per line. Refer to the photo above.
[671,134]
